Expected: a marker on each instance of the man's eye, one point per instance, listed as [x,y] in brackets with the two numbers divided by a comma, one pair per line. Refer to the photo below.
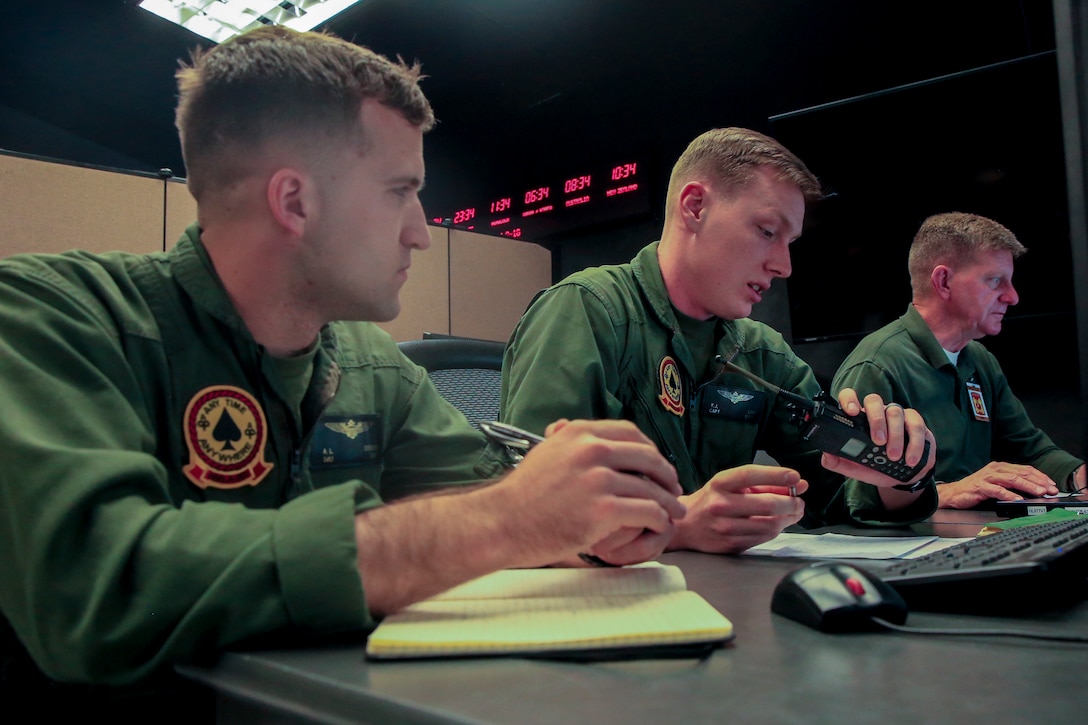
[766,232]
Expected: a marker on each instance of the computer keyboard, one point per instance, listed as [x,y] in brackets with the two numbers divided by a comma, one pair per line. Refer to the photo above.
[1037,566]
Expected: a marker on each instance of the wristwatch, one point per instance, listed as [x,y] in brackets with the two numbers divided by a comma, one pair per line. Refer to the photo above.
[918,485]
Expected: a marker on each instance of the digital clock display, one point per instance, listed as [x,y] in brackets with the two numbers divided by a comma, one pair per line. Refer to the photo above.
[464,216]
[594,193]
[532,196]
[578,183]
[624,171]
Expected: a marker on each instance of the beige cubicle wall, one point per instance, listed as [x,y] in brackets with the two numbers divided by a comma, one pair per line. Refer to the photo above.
[52,207]
[492,281]
[466,284]
[470,285]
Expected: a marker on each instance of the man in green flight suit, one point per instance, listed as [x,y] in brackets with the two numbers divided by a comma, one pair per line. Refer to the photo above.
[638,341]
[197,449]
[961,269]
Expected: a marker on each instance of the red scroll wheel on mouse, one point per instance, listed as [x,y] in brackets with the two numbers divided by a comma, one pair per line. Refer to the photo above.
[855,586]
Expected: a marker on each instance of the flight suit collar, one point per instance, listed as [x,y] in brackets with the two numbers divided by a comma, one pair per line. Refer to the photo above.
[927,342]
[647,272]
[196,274]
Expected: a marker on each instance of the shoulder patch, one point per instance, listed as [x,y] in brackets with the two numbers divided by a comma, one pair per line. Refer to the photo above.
[672,389]
[226,433]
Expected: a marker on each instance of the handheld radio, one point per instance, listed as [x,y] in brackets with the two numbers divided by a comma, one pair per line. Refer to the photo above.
[828,428]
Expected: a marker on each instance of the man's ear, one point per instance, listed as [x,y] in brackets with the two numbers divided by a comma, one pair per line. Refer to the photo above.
[692,201]
[941,280]
[290,199]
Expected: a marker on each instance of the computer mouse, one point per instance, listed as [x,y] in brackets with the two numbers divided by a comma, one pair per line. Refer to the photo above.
[837,597]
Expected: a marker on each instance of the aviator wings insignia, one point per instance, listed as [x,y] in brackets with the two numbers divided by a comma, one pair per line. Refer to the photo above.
[349,428]
[734,397]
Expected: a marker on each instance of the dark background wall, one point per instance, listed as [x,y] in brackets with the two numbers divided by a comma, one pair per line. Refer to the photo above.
[525,88]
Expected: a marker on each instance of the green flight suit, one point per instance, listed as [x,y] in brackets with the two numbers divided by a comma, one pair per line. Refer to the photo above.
[159,499]
[904,362]
[605,343]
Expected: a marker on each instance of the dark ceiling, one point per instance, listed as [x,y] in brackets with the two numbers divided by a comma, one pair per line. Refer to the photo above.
[517,84]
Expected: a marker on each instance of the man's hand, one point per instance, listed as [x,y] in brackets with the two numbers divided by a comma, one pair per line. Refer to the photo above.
[739,508]
[630,546]
[588,482]
[599,487]
[901,430]
[996,480]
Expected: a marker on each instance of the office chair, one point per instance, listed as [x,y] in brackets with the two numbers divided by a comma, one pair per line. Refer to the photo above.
[466,371]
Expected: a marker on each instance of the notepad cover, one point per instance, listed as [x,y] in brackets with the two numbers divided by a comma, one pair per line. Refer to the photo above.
[553,610]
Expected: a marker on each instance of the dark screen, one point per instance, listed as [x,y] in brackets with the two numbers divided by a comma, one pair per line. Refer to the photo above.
[988,142]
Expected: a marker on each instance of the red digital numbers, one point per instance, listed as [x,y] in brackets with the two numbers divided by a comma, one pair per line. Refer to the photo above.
[576,184]
[624,171]
[598,191]
[534,195]
[460,217]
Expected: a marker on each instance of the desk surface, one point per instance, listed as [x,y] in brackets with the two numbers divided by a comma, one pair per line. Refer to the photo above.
[776,670]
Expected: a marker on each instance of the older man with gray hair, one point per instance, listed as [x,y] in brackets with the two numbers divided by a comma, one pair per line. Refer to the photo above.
[961,269]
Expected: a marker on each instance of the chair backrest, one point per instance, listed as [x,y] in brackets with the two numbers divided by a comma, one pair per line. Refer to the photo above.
[466,371]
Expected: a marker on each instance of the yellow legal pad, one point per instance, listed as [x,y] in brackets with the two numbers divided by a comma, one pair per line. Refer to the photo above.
[643,610]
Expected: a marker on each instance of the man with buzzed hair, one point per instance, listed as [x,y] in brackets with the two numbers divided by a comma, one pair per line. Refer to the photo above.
[214,445]
[639,341]
[961,268]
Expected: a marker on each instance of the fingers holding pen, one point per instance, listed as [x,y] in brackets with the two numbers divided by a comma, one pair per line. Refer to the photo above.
[597,477]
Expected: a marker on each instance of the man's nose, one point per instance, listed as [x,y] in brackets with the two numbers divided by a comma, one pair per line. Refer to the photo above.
[416,234]
[780,264]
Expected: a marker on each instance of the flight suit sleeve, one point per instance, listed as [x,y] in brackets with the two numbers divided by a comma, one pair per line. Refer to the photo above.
[104,577]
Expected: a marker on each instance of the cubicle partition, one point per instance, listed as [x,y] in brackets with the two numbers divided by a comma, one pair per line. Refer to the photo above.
[53,207]
[467,284]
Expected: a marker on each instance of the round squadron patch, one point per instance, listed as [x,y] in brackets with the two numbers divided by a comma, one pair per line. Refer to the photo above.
[226,433]
[672,390]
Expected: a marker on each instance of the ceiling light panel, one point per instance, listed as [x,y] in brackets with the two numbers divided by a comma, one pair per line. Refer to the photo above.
[219,20]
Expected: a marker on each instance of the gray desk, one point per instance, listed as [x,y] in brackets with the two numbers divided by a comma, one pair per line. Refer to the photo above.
[776,671]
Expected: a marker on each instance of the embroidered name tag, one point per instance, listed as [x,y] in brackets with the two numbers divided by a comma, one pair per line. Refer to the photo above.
[345,440]
[978,403]
[723,401]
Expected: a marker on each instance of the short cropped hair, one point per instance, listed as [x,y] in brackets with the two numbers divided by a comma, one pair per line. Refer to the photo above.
[274,83]
[954,239]
[729,157]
